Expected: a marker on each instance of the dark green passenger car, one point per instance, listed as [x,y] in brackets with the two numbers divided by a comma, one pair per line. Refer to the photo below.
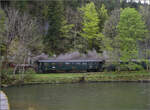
[45,66]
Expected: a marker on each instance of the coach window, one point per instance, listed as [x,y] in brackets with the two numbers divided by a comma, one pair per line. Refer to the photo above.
[78,63]
[84,63]
[53,64]
[60,64]
[46,64]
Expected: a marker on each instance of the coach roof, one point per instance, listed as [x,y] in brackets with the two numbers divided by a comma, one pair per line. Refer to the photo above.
[98,60]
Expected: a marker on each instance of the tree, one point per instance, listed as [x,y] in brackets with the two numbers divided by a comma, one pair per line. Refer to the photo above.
[110,4]
[2,22]
[145,43]
[90,29]
[58,30]
[20,37]
[131,29]
[110,26]
[2,29]
[10,31]
[77,43]
[102,13]
[110,31]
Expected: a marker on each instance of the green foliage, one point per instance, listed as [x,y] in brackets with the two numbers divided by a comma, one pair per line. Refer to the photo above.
[110,66]
[131,29]
[58,30]
[90,29]
[2,49]
[102,13]
[30,71]
[7,71]
[90,21]
[65,29]
[6,79]
[146,63]
[2,24]
[110,27]
[130,67]
[21,5]
[123,66]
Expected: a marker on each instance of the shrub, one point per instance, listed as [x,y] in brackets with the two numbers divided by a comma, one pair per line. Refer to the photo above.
[30,71]
[130,67]
[122,66]
[7,71]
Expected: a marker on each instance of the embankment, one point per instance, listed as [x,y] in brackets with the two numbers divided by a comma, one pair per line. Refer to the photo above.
[58,78]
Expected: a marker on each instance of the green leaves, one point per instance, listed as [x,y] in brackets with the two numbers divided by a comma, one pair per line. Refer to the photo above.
[131,29]
[2,21]
[59,31]
[90,29]
[131,24]
[90,21]
[102,13]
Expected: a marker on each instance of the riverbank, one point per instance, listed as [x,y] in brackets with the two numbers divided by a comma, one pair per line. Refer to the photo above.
[57,78]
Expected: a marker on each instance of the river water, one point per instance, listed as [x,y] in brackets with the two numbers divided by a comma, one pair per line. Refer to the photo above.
[81,96]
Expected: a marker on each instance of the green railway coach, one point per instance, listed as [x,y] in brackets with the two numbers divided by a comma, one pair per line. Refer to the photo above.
[46,66]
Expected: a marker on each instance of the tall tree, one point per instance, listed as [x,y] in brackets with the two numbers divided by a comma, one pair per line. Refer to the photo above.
[10,31]
[131,29]
[2,30]
[90,29]
[110,26]
[110,31]
[58,30]
[2,22]
[145,44]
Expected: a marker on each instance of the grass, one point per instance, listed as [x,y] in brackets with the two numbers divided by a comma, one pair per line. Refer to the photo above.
[54,78]
[89,77]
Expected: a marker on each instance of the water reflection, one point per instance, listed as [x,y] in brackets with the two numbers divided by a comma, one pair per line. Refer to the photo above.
[84,96]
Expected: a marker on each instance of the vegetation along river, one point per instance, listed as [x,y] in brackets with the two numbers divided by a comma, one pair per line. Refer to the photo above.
[81,96]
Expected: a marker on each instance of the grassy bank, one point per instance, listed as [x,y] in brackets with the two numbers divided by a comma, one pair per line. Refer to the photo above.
[87,77]
[81,77]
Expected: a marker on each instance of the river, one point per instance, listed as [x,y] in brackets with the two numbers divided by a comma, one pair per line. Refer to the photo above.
[81,96]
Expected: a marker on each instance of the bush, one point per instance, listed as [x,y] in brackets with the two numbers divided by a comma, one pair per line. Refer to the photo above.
[146,64]
[6,79]
[7,71]
[122,66]
[130,67]
[30,71]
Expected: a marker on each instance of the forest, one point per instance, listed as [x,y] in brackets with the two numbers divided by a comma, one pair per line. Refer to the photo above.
[118,29]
